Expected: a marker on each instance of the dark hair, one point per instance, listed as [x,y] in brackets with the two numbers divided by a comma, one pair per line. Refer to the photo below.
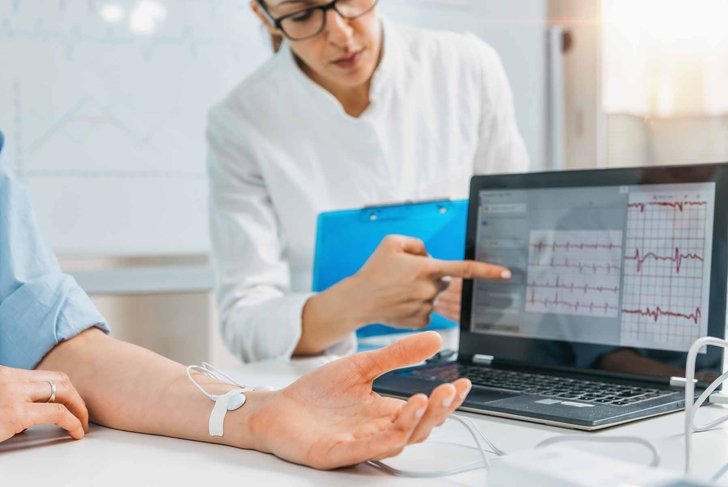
[275,39]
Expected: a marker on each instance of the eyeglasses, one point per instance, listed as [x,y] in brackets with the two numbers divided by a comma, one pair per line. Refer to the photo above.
[310,22]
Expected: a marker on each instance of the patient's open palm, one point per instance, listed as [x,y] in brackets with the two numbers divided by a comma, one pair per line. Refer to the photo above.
[331,417]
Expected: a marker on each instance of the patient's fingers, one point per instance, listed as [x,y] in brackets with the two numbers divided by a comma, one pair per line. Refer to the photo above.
[383,444]
[66,394]
[443,401]
[34,386]
[407,351]
[57,414]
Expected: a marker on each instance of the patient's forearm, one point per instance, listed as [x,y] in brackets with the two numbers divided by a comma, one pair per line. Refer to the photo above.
[130,388]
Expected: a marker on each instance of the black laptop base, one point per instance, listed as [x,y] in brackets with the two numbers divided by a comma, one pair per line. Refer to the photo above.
[563,409]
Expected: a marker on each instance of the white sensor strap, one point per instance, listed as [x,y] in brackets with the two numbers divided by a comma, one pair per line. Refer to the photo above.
[230,401]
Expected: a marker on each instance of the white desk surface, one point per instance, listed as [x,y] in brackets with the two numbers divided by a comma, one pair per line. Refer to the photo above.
[43,456]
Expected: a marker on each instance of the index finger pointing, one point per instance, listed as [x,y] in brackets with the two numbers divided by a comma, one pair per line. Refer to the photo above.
[469,269]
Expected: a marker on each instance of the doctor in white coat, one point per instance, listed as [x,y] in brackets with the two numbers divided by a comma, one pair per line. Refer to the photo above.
[352,110]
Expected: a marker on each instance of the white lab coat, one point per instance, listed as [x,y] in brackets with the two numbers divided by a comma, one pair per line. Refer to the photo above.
[282,150]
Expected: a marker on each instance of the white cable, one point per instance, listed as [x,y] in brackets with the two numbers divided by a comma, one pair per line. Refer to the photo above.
[213,372]
[692,406]
[460,445]
[229,401]
[701,400]
[605,439]
[469,422]
[475,433]
[720,473]
[468,467]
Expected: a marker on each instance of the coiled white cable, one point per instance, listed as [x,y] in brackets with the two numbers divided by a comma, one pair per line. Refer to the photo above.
[605,439]
[480,438]
[477,436]
[691,406]
[213,372]
[229,401]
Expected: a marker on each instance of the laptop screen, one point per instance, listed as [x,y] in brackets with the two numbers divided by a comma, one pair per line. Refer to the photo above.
[597,267]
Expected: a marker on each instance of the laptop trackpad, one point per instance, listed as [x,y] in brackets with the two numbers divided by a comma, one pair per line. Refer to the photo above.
[481,395]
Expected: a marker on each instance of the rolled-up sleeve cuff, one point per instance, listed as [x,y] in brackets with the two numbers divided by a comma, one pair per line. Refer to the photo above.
[345,346]
[294,321]
[42,313]
[272,329]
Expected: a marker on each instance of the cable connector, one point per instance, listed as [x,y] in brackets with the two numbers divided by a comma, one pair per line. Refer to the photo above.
[718,398]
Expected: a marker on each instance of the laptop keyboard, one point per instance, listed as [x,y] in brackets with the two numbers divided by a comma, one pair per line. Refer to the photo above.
[550,386]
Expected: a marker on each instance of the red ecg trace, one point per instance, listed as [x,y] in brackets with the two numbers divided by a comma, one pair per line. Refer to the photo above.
[658,312]
[572,287]
[576,305]
[540,246]
[677,258]
[675,205]
[581,266]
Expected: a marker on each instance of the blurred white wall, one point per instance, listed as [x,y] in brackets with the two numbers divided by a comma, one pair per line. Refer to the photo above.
[641,141]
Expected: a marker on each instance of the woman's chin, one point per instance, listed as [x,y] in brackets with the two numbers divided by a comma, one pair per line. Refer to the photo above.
[351,77]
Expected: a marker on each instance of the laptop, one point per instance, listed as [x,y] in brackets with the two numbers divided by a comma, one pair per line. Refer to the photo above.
[616,272]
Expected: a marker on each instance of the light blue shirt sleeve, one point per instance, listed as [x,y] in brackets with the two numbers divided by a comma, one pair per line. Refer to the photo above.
[39,305]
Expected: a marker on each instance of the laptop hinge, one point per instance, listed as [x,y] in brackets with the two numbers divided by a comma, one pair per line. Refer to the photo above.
[680,381]
[481,359]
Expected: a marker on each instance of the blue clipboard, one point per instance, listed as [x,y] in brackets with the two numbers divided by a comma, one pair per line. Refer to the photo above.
[345,240]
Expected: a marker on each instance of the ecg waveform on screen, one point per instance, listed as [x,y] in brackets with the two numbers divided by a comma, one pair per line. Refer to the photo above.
[553,246]
[574,272]
[571,286]
[656,313]
[675,205]
[677,257]
[576,306]
[665,264]
[595,268]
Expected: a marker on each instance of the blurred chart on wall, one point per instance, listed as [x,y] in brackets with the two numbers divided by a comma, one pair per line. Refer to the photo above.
[104,107]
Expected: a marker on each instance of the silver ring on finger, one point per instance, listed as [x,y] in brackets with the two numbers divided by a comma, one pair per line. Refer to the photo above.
[52,397]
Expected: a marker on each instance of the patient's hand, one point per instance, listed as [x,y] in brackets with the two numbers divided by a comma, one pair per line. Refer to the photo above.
[331,417]
[23,396]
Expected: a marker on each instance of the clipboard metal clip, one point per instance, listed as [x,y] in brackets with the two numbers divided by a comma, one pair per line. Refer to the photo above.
[373,212]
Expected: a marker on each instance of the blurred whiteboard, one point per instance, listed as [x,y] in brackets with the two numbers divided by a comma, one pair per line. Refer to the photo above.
[104,104]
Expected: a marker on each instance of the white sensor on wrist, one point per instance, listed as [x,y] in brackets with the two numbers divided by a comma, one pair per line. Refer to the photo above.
[229,401]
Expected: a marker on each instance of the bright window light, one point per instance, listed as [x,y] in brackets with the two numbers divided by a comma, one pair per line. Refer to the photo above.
[665,57]
[112,13]
[145,16]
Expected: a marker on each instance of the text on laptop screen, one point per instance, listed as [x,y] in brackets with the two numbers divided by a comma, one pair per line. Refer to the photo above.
[612,265]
